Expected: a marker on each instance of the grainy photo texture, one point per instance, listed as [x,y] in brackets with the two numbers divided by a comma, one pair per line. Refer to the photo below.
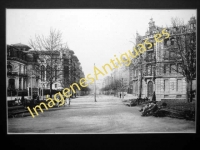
[101,71]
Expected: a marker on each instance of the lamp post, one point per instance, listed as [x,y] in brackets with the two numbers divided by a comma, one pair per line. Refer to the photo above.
[31,85]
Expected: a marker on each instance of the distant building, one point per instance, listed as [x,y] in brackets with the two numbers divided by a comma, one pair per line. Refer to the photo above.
[121,75]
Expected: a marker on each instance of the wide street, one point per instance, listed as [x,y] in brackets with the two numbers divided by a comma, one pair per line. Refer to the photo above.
[107,115]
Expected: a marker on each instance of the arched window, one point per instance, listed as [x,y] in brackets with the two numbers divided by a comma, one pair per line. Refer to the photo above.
[9,68]
[150,89]
[20,80]
[42,72]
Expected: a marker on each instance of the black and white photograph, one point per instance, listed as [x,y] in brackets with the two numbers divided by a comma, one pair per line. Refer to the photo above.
[101,71]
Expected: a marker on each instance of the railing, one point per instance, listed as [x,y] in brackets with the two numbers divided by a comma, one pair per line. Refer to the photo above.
[12,73]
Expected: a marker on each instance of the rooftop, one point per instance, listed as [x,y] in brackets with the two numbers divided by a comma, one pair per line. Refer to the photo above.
[19,45]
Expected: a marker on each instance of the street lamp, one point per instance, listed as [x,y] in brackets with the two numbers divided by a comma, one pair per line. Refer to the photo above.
[31,85]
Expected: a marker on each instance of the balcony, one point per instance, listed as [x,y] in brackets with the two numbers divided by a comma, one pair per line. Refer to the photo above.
[170,46]
[147,59]
[23,74]
[12,73]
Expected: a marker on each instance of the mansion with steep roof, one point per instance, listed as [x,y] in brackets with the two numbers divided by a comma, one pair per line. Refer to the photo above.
[27,68]
[161,76]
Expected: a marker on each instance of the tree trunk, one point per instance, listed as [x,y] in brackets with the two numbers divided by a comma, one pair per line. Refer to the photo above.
[50,90]
[140,86]
[189,91]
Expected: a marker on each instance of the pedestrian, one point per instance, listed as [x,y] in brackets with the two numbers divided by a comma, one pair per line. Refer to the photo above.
[69,100]
[65,101]
[120,95]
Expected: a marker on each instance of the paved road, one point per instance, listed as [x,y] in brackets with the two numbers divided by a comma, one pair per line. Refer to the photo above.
[107,115]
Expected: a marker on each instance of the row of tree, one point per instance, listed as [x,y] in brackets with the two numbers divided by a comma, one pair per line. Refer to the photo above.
[49,49]
[115,86]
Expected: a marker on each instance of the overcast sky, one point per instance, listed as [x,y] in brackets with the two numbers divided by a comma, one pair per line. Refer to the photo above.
[95,35]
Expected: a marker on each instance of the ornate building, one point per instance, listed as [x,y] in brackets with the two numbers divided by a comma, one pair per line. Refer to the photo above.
[156,69]
[38,69]
[17,64]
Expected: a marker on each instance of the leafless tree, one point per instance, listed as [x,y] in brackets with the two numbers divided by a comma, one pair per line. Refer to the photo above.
[177,22]
[47,50]
[185,53]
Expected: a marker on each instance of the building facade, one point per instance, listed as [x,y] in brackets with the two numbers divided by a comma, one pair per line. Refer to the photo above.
[156,69]
[39,70]
[18,65]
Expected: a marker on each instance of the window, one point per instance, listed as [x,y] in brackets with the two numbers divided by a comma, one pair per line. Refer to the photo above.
[172,41]
[191,26]
[20,83]
[172,55]
[149,56]
[11,84]
[179,68]
[179,85]
[166,96]
[166,55]
[48,72]
[136,87]
[166,42]
[9,68]
[149,70]
[166,68]
[42,72]
[24,69]
[19,68]
[24,84]
[173,68]
[178,96]
[166,85]
[55,68]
